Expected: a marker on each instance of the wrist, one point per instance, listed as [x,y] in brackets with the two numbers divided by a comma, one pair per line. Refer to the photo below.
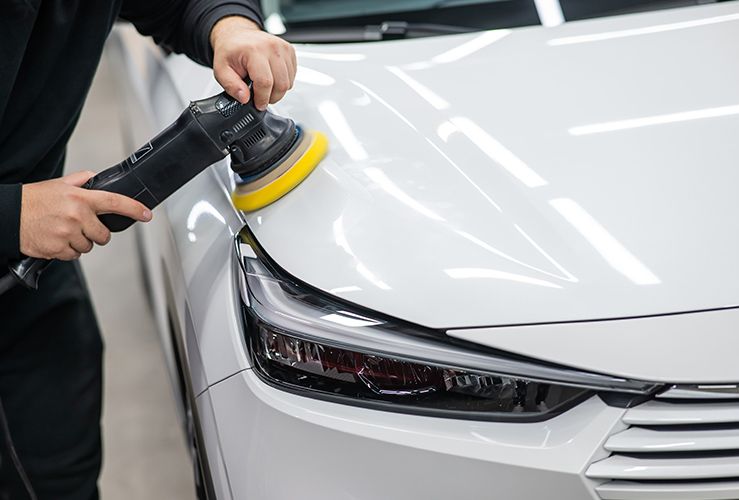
[224,27]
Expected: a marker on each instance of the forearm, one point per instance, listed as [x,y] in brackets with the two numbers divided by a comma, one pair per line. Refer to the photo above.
[184,26]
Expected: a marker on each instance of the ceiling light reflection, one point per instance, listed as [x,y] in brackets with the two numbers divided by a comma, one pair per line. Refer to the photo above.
[618,256]
[340,128]
[648,121]
[426,93]
[330,57]
[484,273]
[498,153]
[313,77]
[345,289]
[199,209]
[647,30]
[471,46]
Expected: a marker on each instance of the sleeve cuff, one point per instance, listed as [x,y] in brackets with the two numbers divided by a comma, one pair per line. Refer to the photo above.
[212,17]
[10,221]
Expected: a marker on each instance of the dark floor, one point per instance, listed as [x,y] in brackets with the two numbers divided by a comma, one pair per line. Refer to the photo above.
[145,454]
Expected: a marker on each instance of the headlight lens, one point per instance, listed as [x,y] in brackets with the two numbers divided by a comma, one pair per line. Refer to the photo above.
[303,340]
[302,364]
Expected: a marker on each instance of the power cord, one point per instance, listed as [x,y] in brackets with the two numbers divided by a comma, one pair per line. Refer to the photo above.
[14,455]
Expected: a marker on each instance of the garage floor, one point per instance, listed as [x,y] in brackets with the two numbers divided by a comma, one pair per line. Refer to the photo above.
[144,449]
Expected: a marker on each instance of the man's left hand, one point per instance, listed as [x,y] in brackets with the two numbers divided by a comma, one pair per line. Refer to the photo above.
[241,48]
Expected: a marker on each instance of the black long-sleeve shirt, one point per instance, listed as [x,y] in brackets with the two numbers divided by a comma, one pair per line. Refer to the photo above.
[49,51]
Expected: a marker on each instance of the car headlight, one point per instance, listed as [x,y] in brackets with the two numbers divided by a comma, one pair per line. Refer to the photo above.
[312,343]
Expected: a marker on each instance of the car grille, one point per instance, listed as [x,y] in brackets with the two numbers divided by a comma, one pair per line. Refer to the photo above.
[682,446]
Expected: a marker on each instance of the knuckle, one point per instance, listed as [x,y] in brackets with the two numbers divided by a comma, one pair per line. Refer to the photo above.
[65,230]
[111,201]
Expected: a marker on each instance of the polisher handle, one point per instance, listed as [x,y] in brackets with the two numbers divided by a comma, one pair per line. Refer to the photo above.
[149,175]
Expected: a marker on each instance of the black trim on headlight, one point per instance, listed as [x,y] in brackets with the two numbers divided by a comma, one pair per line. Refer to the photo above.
[309,342]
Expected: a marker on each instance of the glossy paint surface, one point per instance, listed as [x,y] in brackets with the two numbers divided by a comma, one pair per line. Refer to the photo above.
[584,171]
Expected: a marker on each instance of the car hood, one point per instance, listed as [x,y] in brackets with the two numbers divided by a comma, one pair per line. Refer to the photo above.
[537,175]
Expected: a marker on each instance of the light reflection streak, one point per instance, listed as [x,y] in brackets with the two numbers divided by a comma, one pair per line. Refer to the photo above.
[378,177]
[550,12]
[199,209]
[343,243]
[330,57]
[498,153]
[647,30]
[313,77]
[618,256]
[340,128]
[345,289]
[345,318]
[648,121]
[426,93]
[484,273]
[471,46]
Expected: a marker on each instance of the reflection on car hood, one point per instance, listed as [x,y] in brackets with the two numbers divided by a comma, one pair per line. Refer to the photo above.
[545,174]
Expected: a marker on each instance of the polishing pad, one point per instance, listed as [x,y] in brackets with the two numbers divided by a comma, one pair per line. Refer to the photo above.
[287,173]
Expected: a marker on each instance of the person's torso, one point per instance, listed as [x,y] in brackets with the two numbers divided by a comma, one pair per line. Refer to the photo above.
[49,51]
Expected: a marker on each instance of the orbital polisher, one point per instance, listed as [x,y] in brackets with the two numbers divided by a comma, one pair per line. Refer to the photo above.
[270,155]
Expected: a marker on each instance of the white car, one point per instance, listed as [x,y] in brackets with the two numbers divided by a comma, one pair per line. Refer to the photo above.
[514,276]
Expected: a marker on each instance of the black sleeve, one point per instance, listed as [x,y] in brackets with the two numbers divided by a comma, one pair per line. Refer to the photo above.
[184,25]
[10,221]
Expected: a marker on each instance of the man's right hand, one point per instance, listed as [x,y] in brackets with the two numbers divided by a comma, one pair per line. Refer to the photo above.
[59,218]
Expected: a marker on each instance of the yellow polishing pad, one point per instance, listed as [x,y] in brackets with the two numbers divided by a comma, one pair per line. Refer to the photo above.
[283,179]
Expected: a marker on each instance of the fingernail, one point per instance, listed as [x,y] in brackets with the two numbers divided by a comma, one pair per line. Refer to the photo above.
[147,215]
[241,96]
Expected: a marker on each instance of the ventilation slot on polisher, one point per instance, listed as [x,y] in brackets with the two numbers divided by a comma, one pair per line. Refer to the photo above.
[243,123]
[254,138]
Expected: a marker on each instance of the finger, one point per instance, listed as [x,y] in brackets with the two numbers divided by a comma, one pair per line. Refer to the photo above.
[262,80]
[78,178]
[69,254]
[95,230]
[281,80]
[232,82]
[80,244]
[103,202]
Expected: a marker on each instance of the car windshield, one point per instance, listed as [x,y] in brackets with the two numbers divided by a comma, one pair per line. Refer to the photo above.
[467,15]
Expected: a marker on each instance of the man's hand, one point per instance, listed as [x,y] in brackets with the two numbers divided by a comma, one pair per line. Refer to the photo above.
[240,48]
[59,218]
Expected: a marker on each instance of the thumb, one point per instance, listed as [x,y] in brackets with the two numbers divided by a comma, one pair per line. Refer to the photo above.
[78,178]
[232,82]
